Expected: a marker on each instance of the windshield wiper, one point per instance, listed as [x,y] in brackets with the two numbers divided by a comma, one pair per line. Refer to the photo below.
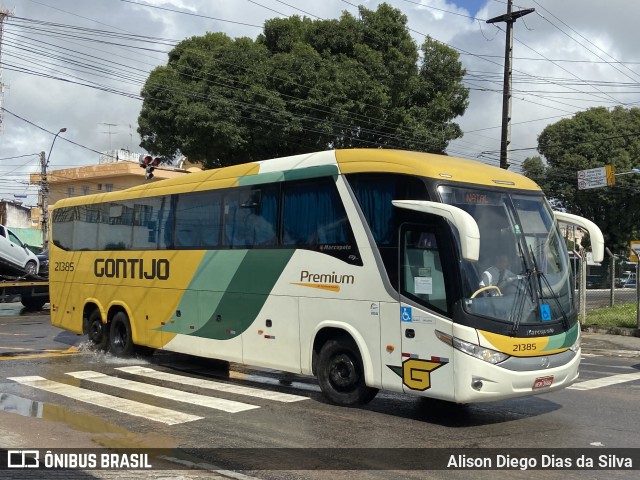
[519,295]
[542,277]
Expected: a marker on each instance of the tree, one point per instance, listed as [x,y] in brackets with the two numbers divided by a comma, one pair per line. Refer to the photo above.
[590,139]
[304,85]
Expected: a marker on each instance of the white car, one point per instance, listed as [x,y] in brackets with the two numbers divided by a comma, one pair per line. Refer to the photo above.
[15,257]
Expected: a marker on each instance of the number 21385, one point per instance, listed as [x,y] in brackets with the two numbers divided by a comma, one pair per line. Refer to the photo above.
[65,267]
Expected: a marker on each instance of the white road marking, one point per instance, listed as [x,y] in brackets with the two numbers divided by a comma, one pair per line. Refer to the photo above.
[619,367]
[212,385]
[164,392]
[605,381]
[122,405]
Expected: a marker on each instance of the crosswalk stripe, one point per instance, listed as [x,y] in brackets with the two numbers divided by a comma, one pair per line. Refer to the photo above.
[164,392]
[212,385]
[122,405]
[605,381]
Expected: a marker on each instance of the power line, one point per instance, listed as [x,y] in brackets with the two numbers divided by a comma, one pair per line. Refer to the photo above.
[129,94]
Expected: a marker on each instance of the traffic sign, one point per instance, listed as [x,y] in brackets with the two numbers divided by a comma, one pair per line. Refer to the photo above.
[634,246]
[596,177]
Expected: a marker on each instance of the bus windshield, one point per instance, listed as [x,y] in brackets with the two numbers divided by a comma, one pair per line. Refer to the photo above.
[522,275]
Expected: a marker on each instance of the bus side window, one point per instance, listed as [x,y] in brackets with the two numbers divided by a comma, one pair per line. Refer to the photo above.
[198,220]
[251,215]
[313,214]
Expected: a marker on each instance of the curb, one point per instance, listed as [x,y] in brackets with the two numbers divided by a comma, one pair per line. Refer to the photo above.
[626,332]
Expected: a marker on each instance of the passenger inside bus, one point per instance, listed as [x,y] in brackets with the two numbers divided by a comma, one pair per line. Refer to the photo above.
[498,274]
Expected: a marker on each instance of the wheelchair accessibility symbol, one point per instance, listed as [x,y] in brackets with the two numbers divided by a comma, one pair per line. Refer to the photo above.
[545,312]
[405,314]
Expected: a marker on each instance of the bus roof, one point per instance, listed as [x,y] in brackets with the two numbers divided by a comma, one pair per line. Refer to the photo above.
[325,163]
[430,165]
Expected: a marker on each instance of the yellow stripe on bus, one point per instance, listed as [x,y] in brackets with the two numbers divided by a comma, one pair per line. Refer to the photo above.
[519,347]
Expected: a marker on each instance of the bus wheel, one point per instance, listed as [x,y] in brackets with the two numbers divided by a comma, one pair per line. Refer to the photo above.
[120,341]
[98,332]
[341,374]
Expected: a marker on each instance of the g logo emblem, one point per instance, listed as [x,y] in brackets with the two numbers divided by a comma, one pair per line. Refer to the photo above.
[416,374]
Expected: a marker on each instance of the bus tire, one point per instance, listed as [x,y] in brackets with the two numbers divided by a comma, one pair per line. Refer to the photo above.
[120,341]
[97,331]
[341,373]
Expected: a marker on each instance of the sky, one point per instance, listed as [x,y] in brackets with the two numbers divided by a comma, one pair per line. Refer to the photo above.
[569,56]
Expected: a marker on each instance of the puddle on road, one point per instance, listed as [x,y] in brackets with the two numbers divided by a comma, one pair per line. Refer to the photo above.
[106,434]
[22,406]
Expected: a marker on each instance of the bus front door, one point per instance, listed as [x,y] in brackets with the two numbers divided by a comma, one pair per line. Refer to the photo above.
[427,363]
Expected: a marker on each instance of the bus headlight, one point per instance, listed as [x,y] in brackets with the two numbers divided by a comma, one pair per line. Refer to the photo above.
[486,354]
[576,346]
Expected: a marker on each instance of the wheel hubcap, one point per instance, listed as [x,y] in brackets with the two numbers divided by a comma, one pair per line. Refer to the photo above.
[343,373]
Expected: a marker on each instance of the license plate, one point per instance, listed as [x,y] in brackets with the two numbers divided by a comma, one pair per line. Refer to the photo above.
[542,382]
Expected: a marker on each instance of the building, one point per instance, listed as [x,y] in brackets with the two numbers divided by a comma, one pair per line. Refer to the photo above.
[107,176]
[22,222]
[116,171]
[14,215]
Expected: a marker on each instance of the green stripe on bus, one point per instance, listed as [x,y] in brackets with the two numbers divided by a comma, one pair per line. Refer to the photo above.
[212,278]
[229,292]
[246,294]
[261,178]
[298,174]
[311,172]
[563,340]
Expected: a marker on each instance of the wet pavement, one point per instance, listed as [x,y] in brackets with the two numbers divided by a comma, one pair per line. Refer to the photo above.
[16,432]
[610,344]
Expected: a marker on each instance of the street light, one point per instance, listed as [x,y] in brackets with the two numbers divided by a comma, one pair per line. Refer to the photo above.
[62,130]
[45,189]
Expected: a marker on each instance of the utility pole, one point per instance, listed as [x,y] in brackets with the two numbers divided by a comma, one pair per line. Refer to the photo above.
[44,192]
[505,138]
[4,14]
[44,189]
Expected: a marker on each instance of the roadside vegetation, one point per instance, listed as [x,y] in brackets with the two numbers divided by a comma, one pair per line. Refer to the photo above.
[616,316]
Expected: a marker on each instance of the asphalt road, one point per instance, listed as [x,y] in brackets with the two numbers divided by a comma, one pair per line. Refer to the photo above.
[601,412]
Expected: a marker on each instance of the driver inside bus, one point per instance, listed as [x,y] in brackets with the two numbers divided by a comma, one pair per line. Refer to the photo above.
[499,274]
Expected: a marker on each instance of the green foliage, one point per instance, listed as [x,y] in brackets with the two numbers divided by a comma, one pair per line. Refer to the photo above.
[535,169]
[304,85]
[617,316]
[594,138]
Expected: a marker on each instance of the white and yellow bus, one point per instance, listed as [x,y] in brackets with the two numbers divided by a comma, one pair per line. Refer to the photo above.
[363,267]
